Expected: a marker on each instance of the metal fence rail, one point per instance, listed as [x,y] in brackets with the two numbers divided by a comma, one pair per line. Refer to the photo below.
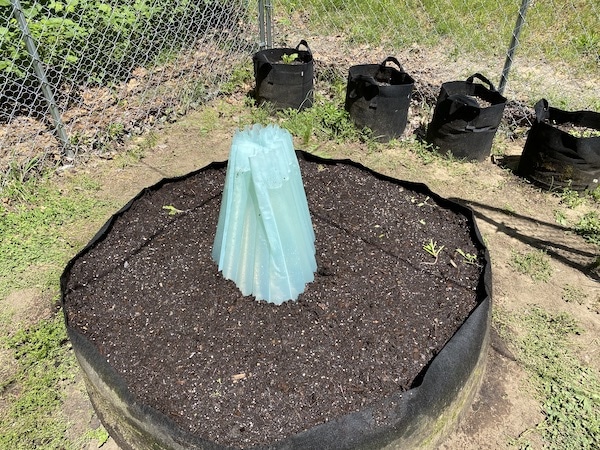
[77,74]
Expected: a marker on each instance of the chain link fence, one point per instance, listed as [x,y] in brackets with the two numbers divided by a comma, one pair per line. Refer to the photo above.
[530,49]
[76,75]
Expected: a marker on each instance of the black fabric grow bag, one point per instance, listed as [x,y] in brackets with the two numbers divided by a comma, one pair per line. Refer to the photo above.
[284,85]
[460,124]
[378,97]
[554,158]
[416,418]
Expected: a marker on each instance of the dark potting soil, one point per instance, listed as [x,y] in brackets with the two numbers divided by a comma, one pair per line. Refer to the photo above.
[578,131]
[241,372]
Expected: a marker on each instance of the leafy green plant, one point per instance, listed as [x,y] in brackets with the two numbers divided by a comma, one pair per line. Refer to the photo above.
[20,172]
[536,264]
[584,132]
[426,153]
[574,294]
[588,226]
[115,130]
[560,217]
[595,194]
[571,198]
[324,120]
[240,76]
[69,32]
[172,211]
[99,435]
[289,58]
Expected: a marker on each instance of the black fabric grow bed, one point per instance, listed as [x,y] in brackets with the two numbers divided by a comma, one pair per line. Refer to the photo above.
[415,410]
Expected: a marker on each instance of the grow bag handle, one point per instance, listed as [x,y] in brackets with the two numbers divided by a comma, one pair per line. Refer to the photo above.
[589,119]
[481,78]
[542,110]
[303,42]
[391,59]
[371,91]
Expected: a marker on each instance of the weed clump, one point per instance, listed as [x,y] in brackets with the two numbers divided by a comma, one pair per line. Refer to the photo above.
[569,391]
[536,264]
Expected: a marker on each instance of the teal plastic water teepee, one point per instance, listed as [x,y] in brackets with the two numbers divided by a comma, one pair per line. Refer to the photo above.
[265,242]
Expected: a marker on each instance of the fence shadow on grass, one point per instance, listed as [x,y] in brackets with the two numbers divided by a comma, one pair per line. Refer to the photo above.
[560,242]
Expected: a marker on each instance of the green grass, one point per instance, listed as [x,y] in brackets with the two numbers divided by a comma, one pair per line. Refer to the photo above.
[574,294]
[560,32]
[33,228]
[38,221]
[569,391]
[33,419]
[427,22]
[571,198]
[535,263]
[326,120]
[588,226]
[38,217]
[240,76]
[572,38]
[594,195]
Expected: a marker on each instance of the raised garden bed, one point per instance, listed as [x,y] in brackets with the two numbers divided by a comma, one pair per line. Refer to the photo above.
[385,347]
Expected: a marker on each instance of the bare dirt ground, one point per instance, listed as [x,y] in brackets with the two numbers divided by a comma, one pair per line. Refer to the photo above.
[512,216]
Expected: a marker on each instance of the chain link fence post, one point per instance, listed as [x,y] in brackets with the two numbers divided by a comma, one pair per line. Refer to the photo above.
[262,40]
[514,43]
[265,28]
[269,22]
[40,73]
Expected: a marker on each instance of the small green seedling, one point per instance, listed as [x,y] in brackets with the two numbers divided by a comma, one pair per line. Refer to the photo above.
[571,198]
[100,435]
[583,132]
[432,248]
[469,258]
[288,59]
[560,217]
[172,210]
[588,227]
[217,391]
